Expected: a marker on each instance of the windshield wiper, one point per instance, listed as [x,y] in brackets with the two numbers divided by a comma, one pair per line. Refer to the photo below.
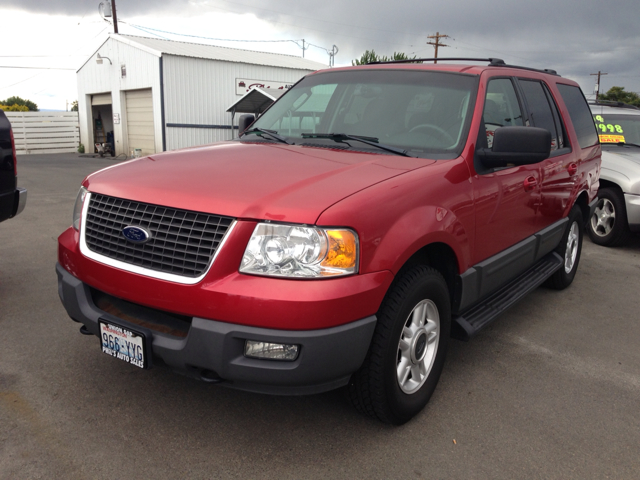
[271,133]
[622,144]
[341,137]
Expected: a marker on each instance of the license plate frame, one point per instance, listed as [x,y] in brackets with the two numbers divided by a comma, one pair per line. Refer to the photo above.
[124,343]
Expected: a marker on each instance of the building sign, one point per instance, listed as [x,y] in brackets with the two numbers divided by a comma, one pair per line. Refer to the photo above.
[116,118]
[243,85]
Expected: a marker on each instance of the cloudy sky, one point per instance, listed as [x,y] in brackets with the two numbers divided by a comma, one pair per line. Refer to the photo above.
[51,39]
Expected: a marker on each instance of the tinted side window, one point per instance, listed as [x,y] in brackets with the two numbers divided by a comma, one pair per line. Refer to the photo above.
[563,140]
[501,107]
[580,115]
[540,110]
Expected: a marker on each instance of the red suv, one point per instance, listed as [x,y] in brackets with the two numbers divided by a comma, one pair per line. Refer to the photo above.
[370,214]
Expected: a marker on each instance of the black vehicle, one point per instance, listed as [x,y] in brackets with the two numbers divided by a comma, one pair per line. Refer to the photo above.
[12,198]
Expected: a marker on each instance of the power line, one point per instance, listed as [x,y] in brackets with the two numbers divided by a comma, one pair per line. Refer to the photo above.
[39,68]
[305,45]
[21,81]
[208,38]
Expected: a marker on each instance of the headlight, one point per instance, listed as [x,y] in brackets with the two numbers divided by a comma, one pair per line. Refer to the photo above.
[297,251]
[77,208]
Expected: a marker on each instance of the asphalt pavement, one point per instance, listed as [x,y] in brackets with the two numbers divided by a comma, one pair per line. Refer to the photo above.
[550,390]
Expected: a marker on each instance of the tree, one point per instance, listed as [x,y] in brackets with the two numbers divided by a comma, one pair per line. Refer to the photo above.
[370,56]
[20,101]
[74,106]
[617,94]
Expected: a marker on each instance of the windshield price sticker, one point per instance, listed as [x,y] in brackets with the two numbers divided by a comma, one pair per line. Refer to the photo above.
[611,138]
[611,132]
[122,344]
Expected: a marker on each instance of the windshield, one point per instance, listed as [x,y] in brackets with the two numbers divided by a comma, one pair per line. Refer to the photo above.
[418,111]
[618,128]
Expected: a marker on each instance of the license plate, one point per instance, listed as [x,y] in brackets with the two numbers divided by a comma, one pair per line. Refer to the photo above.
[123,344]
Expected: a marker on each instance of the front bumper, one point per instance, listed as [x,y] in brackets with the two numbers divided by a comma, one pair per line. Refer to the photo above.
[214,350]
[632,203]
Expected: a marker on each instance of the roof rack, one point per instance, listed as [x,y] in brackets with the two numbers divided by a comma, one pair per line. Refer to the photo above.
[493,62]
[612,103]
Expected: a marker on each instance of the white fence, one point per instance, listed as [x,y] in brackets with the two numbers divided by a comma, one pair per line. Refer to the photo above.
[45,132]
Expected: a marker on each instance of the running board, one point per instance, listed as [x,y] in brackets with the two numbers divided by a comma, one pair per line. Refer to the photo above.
[471,321]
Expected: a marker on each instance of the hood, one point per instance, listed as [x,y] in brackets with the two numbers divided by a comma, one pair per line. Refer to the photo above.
[250,180]
[621,165]
[620,153]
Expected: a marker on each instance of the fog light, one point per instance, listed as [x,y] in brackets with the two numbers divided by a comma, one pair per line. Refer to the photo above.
[271,351]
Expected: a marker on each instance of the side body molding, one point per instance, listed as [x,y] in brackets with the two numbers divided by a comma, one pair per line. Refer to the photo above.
[486,277]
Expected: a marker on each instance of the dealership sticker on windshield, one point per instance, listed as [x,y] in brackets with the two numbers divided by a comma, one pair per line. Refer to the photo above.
[611,138]
[123,344]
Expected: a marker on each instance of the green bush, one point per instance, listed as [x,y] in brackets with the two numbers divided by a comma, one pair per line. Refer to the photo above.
[14,108]
[81,148]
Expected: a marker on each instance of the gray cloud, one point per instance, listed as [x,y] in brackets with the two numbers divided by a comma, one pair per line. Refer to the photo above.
[574,37]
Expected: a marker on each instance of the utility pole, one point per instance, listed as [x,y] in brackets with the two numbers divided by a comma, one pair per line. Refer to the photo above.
[332,55]
[598,84]
[115,17]
[437,43]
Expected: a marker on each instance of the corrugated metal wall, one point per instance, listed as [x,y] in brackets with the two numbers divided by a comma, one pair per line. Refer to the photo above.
[198,92]
[142,71]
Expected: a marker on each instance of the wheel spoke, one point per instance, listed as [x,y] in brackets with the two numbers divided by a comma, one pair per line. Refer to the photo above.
[407,333]
[418,315]
[418,372]
[431,328]
[404,368]
[404,346]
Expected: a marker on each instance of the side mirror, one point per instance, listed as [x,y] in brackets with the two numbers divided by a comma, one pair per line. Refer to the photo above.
[517,146]
[244,121]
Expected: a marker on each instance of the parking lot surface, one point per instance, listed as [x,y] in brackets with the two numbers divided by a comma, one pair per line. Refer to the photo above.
[550,390]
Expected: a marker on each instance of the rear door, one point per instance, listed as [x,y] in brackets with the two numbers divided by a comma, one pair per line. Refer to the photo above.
[559,173]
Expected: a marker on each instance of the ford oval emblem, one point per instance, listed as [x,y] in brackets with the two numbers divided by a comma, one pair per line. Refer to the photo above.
[136,234]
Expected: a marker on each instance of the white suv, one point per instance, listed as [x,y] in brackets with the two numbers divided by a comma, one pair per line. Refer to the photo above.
[618,210]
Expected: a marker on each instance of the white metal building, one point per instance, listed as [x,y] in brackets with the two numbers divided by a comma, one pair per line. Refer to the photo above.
[154,95]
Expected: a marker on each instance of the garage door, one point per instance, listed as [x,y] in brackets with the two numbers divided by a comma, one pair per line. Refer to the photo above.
[140,121]
[101,99]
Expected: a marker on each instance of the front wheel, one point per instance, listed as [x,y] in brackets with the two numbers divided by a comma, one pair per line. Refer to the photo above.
[608,225]
[408,348]
[569,249]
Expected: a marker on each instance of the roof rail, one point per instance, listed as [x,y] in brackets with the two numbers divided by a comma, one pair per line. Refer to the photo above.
[612,103]
[493,62]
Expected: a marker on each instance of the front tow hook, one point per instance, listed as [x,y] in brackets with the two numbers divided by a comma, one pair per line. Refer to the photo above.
[85,331]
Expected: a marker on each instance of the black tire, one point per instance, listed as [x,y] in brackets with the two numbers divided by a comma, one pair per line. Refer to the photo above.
[569,249]
[608,226]
[375,389]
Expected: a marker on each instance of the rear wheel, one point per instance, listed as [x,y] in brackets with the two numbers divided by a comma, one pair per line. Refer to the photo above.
[608,225]
[569,249]
[408,348]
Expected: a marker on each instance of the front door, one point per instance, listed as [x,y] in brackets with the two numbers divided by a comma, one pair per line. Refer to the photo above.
[507,199]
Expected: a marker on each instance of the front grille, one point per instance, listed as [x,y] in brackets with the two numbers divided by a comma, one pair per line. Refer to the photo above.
[182,242]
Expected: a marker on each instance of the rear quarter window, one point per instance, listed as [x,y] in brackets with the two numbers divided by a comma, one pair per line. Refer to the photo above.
[580,115]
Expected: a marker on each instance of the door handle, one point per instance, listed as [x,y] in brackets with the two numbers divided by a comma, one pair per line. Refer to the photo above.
[572,169]
[530,183]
